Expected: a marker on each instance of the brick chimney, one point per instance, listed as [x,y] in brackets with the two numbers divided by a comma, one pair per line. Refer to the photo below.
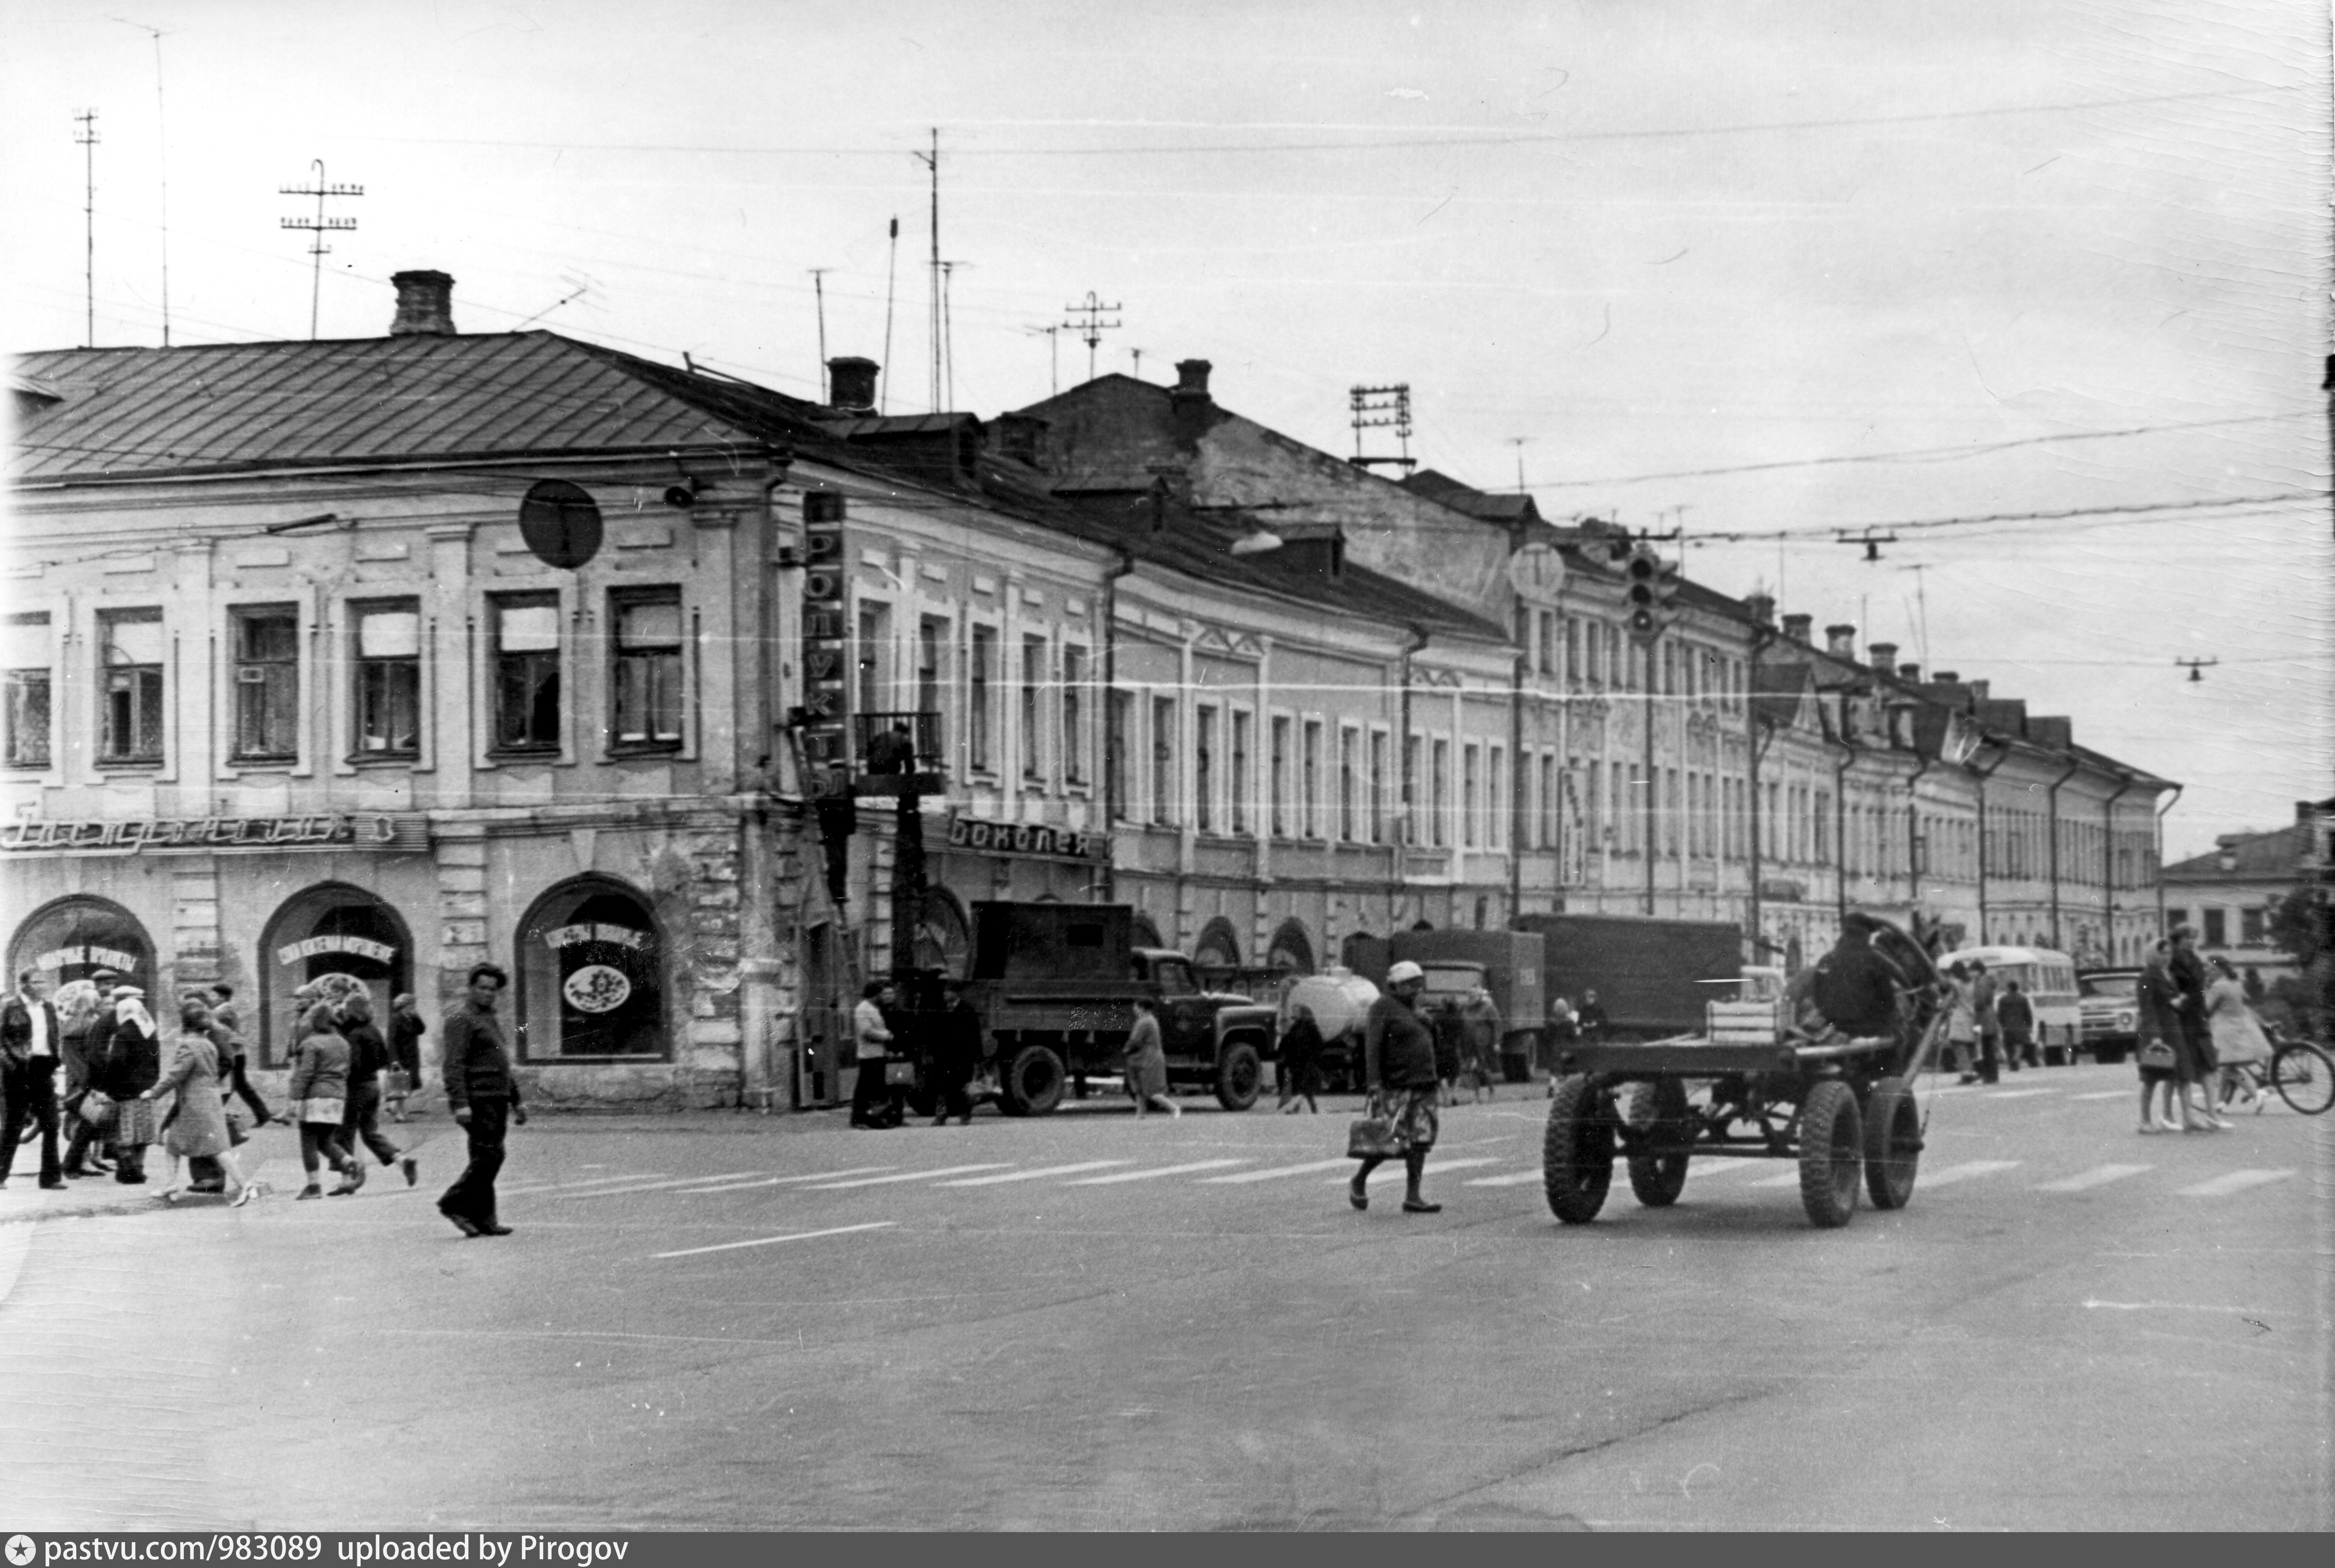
[425,305]
[1882,656]
[1946,677]
[1189,404]
[1840,642]
[851,383]
[1978,690]
[1798,627]
[1761,608]
[1910,673]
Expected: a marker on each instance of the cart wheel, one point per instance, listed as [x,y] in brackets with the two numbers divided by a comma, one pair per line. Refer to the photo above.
[2305,1078]
[1576,1152]
[1659,1107]
[1893,1143]
[1832,1154]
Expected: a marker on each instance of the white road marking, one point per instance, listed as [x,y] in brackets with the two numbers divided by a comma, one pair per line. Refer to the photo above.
[2171,1307]
[2104,1094]
[914,1175]
[2019,1093]
[1395,1167]
[1265,1175]
[2237,1181]
[1790,1178]
[1145,1175]
[773,1240]
[2098,1176]
[1515,1178]
[1966,1171]
[658,1186]
[643,1176]
[691,1192]
[1031,1175]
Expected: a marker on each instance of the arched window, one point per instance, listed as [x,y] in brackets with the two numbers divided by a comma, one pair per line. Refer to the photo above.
[1218,947]
[591,975]
[944,936]
[75,938]
[335,935]
[1292,951]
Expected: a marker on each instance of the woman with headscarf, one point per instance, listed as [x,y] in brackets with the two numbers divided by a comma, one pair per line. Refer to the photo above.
[1147,1061]
[2238,1039]
[1301,1061]
[1961,1021]
[319,1091]
[82,1021]
[196,1130]
[125,1061]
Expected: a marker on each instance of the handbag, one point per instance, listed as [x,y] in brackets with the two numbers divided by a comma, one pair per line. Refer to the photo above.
[2157,1056]
[96,1108]
[401,1083]
[237,1136]
[897,1073]
[1372,1134]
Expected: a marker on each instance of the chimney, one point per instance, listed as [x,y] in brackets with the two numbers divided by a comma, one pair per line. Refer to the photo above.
[1022,437]
[1910,673]
[851,383]
[1884,656]
[1840,642]
[1978,690]
[425,305]
[1946,678]
[1761,608]
[1797,627]
[1189,404]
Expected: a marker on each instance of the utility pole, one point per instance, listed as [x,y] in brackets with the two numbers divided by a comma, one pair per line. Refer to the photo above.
[1376,407]
[1093,327]
[1053,335]
[162,169]
[87,140]
[319,227]
[818,287]
[931,161]
[891,282]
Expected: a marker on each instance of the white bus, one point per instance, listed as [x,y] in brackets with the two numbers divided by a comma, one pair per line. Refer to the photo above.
[2048,981]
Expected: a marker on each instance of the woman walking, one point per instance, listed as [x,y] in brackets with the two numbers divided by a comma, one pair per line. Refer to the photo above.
[2238,1039]
[319,1091]
[125,1061]
[1961,1023]
[1301,1061]
[195,1129]
[369,1059]
[2160,1036]
[405,1031]
[1399,1069]
[1147,1061]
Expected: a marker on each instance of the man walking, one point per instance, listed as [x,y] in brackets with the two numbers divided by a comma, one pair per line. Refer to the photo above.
[238,1056]
[30,1044]
[1984,989]
[360,1114]
[483,1094]
[955,1053]
[2017,1016]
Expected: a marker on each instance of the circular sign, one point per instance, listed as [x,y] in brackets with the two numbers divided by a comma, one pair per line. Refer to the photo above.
[337,986]
[1536,571]
[560,524]
[597,988]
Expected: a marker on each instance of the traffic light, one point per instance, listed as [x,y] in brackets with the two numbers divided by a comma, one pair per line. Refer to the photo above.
[1650,594]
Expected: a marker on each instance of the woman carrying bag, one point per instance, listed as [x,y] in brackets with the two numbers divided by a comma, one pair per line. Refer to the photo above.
[1147,1061]
[126,1061]
[1399,1069]
[319,1091]
[196,1130]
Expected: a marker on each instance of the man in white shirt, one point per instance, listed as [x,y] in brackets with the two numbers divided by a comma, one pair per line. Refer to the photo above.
[873,1038]
[30,1051]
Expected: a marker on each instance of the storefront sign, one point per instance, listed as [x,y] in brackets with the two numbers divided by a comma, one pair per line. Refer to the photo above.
[576,936]
[1026,839]
[379,952]
[825,705]
[366,832]
[92,957]
[597,988]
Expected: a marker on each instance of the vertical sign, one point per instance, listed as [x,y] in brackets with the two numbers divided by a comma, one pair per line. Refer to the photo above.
[826,753]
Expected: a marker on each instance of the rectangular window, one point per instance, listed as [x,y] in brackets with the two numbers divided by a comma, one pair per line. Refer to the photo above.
[1033,693]
[1117,714]
[2217,930]
[1548,802]
[1242,746]
[27,667]
[1279,767]
[2173,917]
[1163,758]
[131,648]
[1573,652]
[1593,649]
[1074,715]
[1310,801]
[1203,770]
[527,673]
[1548,641]
[1438,784]
[1410,783]
[1495,770]
[1378,785]
[2250,927]
[389,678]
[932,666]
[981,673]
[648,671]
[1350,746]
[1470,755]
[266,683]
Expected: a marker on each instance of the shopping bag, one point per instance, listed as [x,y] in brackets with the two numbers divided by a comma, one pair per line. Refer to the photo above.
[1372,1134]
[900,1074]
[2157,1056]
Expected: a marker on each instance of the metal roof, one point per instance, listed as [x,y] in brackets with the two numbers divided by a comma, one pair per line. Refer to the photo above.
[147,412]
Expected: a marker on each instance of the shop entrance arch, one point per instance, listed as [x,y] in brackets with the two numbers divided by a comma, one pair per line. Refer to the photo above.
[591,975]
[72,940]
[339,937]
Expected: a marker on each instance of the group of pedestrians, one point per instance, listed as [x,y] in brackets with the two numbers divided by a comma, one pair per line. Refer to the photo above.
[1467,1031]
[2197,1034]
[891,1046]
[1989,1023]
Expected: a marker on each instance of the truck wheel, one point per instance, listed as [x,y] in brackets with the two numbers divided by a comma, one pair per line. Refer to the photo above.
[1660,1108]
[1832,1154]
[1893,1143]
[1239,1072]
[1576,1152]
[1031,1083]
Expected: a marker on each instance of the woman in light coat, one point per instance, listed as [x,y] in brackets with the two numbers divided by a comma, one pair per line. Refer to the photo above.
[2238,1038]
[1961,1023]
[1147,1061]
[197,1127]
[319,1091]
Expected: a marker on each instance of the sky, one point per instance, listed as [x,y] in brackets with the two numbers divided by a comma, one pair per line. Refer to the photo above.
[1767,273]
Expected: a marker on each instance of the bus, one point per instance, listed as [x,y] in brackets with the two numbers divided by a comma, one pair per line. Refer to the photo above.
[2048,981]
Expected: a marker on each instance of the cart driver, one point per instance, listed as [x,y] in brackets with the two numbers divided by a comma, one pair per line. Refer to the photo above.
[1856,985]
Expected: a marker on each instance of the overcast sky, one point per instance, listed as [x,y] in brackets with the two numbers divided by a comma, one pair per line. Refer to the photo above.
[1887,256]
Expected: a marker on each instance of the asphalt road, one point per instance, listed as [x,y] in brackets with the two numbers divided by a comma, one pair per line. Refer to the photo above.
[1089,1322]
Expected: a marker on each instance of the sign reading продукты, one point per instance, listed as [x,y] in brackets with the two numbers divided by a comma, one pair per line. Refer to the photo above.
[321,832]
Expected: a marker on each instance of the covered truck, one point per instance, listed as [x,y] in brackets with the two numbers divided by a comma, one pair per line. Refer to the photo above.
[1652,977]
[1506,965]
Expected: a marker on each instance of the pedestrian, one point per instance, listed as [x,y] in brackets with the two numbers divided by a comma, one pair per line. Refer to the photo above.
[196,1130]
[227,1020]
[82,1023]
[2188,971]
[361,1117]
[125,1061]
[1147,1062]
[871,1106]
[405,1031]
[482,1091]
[1983,991]
[2163,1056]
[1962,1023]
[1444,1022]
[955,1056]
[2239,1042]
[319,1093]
[1398,1073]
[1479,1043]
[1593,1022]
[1299,1075]
[1564,1031]
[2016,1015]
[31,1043]
[2255,990]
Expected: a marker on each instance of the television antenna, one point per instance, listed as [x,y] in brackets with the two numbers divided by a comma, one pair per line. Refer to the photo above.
[1382,407]
[2195,667]
[87,140]
[1092,328]
[319,227]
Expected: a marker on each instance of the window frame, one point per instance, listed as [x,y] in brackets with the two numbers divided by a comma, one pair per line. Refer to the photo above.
[30,626]
[621,600]
[1072,710]
[276,673]
[500,662]
[157,756]
[360,665]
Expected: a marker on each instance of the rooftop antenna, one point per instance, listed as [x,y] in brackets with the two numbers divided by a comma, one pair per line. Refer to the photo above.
[948,332]
[319,227]
[1373,407]
[1871,543]
[1053,335]
[87,139]
[1093,327]
[1922,597]
[818,287]
[891,282]
[931,161]
[162,169]
[1139,362]
[2195,666]
[1518,442]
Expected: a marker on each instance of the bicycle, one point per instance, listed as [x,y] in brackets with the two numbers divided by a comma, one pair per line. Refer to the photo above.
[2303,1073]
